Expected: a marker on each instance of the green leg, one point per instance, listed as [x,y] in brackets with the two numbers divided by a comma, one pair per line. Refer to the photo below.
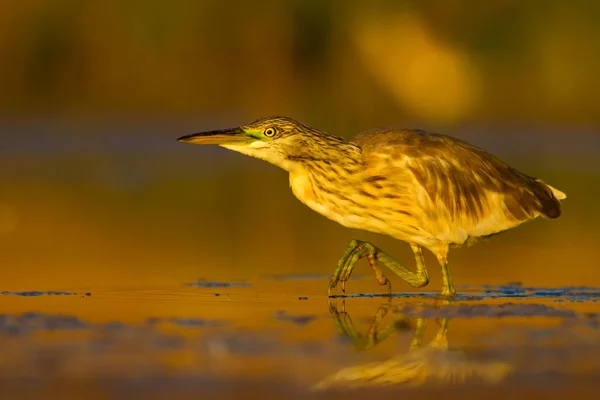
[358,249]
[448,286]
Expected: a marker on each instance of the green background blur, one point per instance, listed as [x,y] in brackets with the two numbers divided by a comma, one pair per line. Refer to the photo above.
[94,190]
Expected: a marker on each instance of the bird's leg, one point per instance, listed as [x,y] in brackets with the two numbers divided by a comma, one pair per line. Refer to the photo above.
[349,254]
[355,251]
[359,249]
[381,278]
[448,286]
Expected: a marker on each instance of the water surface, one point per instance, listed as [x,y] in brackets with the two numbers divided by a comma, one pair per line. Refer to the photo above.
[258,341]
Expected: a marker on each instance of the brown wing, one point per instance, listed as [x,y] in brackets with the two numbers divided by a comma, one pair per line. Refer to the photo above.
[460,177]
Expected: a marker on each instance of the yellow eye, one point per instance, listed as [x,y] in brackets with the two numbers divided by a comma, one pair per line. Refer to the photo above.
[270,132]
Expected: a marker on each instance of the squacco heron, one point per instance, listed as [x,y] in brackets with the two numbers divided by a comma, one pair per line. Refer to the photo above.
[429,190]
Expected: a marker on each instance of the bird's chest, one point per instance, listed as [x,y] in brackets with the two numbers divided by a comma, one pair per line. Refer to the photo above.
[326,203]
[303,189]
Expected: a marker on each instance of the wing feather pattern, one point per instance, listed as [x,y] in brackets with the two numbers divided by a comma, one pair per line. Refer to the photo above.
[462,191]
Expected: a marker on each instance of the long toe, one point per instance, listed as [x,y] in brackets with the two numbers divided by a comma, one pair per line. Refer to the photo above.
[332,285]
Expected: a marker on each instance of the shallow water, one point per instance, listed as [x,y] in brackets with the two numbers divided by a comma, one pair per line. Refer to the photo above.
[271,337]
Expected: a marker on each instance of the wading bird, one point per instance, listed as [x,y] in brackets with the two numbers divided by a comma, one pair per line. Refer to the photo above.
[430,190]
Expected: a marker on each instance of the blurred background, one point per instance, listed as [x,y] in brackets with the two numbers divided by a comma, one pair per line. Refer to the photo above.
[94,190]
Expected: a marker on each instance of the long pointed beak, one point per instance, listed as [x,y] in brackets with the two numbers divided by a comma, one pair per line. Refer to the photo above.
[224,136]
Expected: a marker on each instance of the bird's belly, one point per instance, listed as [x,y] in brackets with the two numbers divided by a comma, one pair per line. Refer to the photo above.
[348,219]
[372,222]
[352,215]
[383,224]
[463,228]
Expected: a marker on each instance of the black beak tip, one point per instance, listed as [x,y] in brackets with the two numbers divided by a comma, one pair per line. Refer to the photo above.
[184,138]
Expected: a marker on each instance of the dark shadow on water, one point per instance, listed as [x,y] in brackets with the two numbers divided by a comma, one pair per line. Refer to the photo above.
[188,322]
[284,316]
[484,310]
[31,322]
[570,293]
[214,284]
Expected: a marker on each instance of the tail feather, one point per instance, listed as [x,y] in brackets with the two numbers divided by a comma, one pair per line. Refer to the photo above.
[557,193]
[548,198]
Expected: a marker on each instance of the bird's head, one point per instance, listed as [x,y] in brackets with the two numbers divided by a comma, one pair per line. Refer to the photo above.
[278,140]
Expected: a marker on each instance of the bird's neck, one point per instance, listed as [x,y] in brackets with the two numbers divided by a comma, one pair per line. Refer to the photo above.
[326,154]
[321,176]
[335,163]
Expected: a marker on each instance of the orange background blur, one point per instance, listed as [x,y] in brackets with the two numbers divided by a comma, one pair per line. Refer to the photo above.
[94,190]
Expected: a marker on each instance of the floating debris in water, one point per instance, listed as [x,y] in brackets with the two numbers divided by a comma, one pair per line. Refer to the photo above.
[41,293]
[570,293]
[302,298]
[215,284]
[296,319]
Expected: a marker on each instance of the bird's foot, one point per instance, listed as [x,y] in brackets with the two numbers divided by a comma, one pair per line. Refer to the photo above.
[332,285]
[383,281]
[354,252]
[389,287]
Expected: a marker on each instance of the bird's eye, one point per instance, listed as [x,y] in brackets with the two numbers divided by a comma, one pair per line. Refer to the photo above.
[270,132]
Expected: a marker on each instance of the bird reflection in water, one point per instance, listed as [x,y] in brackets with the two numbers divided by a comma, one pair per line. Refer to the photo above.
[431,363]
